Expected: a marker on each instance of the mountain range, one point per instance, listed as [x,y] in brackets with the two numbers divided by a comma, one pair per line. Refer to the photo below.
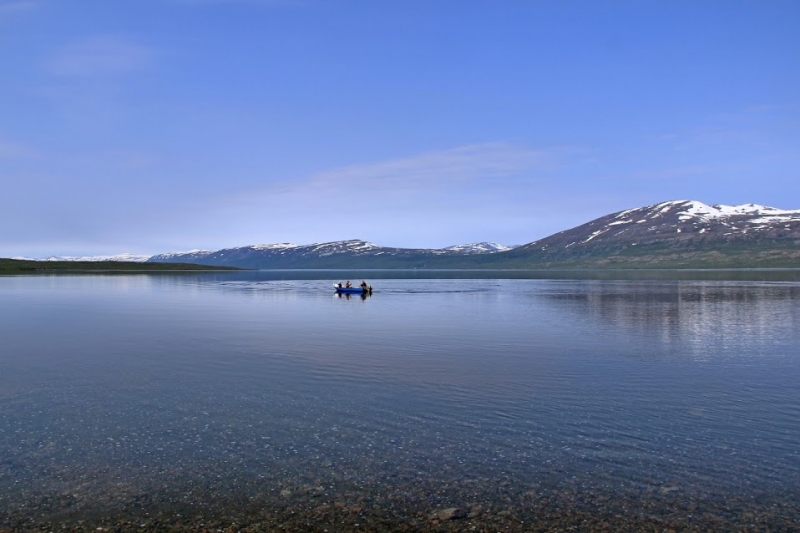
[675,234]
[126,258]
[339,254]
[679,233]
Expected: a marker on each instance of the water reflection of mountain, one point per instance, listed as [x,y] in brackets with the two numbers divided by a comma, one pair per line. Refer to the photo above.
[701,319]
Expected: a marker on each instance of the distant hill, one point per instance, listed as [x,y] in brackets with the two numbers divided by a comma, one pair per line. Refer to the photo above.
[680,233]
[124,258]
[340,254]
[675,234]
[17,266]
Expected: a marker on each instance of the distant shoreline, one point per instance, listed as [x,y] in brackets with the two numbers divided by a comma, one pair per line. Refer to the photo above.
[24,266]
[17,267]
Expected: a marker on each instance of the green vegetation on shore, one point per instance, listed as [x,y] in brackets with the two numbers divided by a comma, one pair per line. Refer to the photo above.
[21,266]
[775,254]
[725,255]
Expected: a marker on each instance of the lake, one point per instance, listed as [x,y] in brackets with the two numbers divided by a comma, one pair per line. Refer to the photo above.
[261,401]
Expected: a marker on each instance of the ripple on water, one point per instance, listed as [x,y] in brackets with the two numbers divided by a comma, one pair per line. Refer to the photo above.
[670,405]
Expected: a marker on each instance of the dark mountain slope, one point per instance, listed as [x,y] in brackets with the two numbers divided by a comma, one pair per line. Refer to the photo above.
[676,234]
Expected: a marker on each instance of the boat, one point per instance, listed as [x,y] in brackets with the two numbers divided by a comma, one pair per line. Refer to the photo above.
[353,290]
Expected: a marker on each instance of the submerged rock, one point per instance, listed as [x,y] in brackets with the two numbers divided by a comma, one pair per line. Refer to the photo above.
[475,511]
[451,513]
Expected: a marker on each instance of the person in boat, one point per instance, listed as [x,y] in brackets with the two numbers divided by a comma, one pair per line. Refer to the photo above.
[347,285]
[339,284]
[364,285]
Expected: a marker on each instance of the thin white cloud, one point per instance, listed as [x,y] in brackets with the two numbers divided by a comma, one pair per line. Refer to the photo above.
[251,2]
[100,56]
[14,150]
[432,198]
[428,172]
[680,172]
[774,108]
[468,177]
[736,130]
[18,6]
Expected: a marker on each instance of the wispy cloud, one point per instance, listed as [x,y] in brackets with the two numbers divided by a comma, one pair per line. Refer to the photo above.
[87,80]
[687,172]
[100,56]
[431,198]
[18,6]
[252,2]
[738,129]
[428,172]
[14,150]
[774,108]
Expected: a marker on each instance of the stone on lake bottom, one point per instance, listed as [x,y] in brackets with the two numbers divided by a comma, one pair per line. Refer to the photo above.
[451,513]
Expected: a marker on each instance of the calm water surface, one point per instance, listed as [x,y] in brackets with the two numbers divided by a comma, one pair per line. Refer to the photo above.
[246,399]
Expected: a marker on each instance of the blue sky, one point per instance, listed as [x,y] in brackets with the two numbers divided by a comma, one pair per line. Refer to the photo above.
[148,126]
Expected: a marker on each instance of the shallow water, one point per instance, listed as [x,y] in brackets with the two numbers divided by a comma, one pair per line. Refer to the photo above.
[269,402]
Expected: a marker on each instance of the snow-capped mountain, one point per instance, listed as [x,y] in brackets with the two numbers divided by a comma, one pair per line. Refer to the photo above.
[675,233]
[478,248]
[128,258]
[679,220]
[324,255]
[175,257]
[679,226]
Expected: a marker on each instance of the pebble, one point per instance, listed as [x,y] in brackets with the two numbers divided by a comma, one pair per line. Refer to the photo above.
[475,512]
[451,513]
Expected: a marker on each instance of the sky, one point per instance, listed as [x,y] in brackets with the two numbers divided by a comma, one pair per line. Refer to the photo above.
[150,126]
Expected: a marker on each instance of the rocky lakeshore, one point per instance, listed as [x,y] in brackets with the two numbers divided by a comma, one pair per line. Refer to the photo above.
[396,501]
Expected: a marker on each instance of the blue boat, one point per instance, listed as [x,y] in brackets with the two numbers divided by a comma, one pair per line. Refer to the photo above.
[353,290]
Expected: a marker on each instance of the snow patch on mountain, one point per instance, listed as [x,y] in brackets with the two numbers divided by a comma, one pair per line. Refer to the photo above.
[338,247]
[129,258]
[189,253]
[692,210]
[478,248]
[276,246]
[673,225]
